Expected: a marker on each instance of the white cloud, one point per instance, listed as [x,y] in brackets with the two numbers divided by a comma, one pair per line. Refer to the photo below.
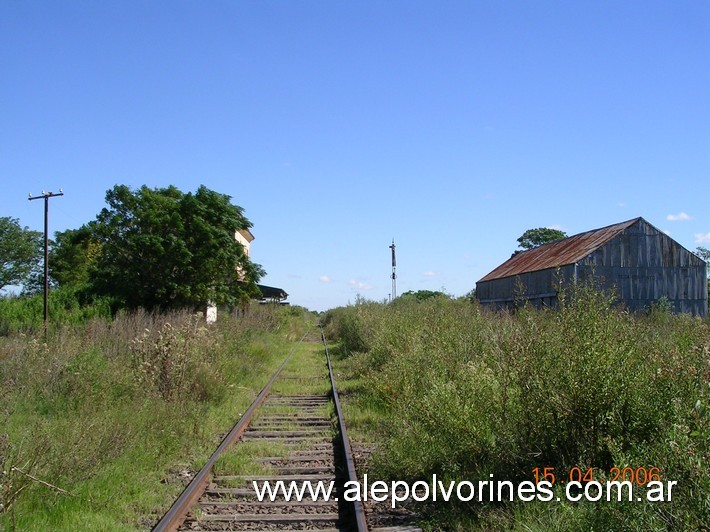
[621,204]
[360,285]
[667,232]
[430,274]
[680,217]
[702,238]
[324,279]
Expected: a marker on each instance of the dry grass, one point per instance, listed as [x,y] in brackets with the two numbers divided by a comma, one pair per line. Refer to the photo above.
[98,421]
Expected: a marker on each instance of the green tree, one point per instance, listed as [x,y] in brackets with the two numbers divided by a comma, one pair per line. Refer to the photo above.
[533,238]
[161,248]
[75,251]
[73,255]
[423,295]
[20,252]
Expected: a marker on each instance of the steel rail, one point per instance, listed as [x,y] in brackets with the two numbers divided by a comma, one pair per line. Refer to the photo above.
[358,508]
[177,513]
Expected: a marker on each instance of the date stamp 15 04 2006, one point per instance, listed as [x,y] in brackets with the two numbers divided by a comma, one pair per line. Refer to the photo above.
[620,481]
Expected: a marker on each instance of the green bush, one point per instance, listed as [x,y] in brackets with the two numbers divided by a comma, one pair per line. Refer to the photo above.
[471,393]
[65,307]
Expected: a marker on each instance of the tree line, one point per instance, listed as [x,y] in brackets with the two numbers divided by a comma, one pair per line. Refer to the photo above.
[157,248]
[153,248]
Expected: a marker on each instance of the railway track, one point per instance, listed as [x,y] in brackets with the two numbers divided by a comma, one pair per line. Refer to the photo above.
[293,432]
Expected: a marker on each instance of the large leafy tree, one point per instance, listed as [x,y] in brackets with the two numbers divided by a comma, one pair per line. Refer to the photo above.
[533,238]
[20,252]
[161,248]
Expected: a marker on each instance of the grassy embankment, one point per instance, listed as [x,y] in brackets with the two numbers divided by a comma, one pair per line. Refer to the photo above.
[100,422]
[442,387]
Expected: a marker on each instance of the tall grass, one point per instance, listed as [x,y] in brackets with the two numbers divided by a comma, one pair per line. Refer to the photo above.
[100,423]
[468,393]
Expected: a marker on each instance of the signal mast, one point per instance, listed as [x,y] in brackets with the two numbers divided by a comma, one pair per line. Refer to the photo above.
[394,273]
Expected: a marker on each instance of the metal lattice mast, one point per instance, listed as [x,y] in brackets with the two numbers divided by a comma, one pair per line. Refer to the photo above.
[394,273]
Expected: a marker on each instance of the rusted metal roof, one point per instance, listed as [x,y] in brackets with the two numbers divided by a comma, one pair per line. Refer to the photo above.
[560,253]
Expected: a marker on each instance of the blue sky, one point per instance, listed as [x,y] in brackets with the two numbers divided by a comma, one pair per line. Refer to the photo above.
[451,127]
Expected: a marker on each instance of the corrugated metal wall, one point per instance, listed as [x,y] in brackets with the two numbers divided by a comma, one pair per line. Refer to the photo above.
[539,287]
[645,264]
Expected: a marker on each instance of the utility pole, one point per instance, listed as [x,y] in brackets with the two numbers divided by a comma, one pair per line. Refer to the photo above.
[46,196]
[394,273]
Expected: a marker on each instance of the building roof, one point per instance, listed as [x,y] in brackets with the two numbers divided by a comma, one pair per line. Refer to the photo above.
[567,251]
[246,234]
[271,292]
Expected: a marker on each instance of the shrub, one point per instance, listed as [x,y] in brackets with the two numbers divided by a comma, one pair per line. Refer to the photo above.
[471,393]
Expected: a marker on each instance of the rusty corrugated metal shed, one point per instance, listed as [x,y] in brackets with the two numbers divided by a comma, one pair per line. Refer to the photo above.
[561,253]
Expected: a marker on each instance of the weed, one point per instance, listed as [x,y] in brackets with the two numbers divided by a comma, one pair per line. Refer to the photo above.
[106,409]
[447,388]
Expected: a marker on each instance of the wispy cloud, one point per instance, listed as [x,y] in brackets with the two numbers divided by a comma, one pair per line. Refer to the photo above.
[666,231]
[430,274]
[558,227]
[702,238]
[324,279]
[359,285]
[680,217]
[621,204]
